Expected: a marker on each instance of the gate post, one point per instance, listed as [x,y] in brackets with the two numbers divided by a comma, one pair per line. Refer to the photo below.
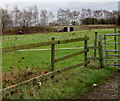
[95,44]
[115,40]
[100,51]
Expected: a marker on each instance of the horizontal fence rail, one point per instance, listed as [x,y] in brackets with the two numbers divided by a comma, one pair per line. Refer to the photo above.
[93,47]
[114,55]
[112,35]
[15,48]
[73,40]
[113,42]
[71,55]
[113,50]
[93,58]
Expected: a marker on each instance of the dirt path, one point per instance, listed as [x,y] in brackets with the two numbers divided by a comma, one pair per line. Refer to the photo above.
[107,91]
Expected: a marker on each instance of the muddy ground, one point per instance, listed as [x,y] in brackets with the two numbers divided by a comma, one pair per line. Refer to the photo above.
[110,90]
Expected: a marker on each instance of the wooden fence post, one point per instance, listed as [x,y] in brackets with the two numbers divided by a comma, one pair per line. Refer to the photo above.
[95,44]
[115,41]
[100,51]
[85,54]
[52,54]
[115,29]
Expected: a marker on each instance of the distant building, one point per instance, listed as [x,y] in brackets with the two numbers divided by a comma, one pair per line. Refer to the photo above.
[66,29]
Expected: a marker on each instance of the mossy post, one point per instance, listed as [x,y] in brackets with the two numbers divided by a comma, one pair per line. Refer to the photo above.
[85,54]
[95,43]
[100,51]
[52,54]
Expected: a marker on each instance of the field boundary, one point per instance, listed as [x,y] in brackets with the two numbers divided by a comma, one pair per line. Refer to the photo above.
[15,48]
[53,42]
[60,48]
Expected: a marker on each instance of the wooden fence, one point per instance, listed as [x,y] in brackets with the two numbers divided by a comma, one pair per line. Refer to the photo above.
[53,42]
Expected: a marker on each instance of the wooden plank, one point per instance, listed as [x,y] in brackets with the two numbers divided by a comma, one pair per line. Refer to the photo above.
[93,47]
[93,58]
[77,65]
[71,55]
[15,48]
[73,40]
[15,87]
[52,54]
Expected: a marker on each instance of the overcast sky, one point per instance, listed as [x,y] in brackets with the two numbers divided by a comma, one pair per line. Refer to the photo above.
[54,5]
[59,0]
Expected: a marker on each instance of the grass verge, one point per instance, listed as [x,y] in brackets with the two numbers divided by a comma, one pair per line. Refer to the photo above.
[72,84]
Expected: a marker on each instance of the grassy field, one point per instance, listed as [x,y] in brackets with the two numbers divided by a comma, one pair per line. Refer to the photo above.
[71,84]
[37,58]
[15,40]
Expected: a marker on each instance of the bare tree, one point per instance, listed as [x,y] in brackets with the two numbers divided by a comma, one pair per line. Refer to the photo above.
[68,17]
[44,17]
[75,15]
[6,19]
[35,15]
[51,17]
[86,13]
[16,18]
[61,17]
[98,14]
[64,17]
[25,19]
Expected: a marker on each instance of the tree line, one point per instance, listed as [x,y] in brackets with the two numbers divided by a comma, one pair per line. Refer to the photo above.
[32,16]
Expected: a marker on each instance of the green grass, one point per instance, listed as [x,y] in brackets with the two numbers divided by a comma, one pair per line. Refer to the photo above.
[79,81]
[42,58]
[72,84]
[15,40]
